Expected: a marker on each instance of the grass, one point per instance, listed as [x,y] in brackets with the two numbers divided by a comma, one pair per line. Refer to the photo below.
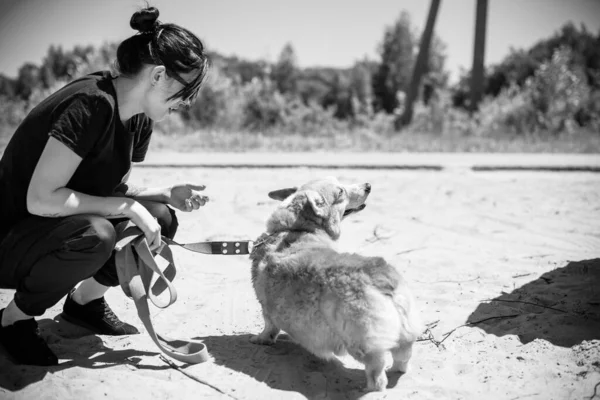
[364,140]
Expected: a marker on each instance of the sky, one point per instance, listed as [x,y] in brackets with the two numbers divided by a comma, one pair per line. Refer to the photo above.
[323,32]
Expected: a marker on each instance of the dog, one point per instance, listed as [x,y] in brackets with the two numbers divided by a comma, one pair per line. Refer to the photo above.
[330,303]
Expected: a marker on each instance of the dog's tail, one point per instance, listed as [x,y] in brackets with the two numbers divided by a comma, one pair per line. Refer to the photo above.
[405,306]
[388,281]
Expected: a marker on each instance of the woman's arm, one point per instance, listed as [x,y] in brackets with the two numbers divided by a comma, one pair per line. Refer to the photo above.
[184,197]
[48,195]
[126,189]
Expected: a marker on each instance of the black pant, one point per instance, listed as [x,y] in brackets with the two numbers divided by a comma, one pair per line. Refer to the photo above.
[43,258]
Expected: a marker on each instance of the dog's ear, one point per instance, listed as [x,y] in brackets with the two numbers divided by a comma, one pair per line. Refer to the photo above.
[317,202]
[282,194]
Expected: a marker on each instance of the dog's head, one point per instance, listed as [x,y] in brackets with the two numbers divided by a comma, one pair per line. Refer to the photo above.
[321,203]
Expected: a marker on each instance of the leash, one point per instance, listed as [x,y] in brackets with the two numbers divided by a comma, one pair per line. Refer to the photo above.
[136,265]
[234,248]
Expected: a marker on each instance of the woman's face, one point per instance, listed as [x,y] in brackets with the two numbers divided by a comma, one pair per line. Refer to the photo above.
[160,89]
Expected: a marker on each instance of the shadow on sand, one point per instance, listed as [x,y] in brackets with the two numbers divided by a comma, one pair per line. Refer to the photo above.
[75,347]
[561,306]
[284,366]
[288,367]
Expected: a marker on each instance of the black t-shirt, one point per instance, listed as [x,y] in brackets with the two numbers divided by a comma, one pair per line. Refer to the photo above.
[84,116]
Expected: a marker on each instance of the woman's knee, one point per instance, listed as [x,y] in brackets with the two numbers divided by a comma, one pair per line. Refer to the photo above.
[93,234]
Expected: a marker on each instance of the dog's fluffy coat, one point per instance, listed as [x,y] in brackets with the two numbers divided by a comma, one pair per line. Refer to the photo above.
[330,303]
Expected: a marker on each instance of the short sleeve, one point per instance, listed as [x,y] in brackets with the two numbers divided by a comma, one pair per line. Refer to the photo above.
[142,138]
[81,123]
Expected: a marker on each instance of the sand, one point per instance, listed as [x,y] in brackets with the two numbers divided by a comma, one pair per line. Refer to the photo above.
[507,263]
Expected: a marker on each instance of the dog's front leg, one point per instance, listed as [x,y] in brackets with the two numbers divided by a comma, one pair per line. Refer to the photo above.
[269,333]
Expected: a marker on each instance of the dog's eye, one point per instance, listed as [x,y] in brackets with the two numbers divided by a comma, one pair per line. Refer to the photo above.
[341,193]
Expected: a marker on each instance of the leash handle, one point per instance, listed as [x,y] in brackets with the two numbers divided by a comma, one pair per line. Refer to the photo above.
[135,266]
[130,236]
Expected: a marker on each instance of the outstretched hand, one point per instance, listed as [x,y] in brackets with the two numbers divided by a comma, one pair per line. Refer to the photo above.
[185,197]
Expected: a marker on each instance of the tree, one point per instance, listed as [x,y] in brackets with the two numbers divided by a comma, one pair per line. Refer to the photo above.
[361,86]
[478,70]
[397,58]
[519,64]
[285,71]
[7,86]
[237,69]
[340,97]
[420,67]
[398,52]
[57,65]
[28,79]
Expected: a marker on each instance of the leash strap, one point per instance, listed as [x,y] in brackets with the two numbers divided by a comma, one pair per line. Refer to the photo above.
[235,248]
[135,267]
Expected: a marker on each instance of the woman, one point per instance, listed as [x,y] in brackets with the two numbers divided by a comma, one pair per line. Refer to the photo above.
[63,184]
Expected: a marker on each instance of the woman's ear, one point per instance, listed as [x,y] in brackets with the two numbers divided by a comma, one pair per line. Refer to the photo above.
[157,74]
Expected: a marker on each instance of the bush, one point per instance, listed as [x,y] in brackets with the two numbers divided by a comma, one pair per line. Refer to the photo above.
[311,119]
[263,106]
[219,104]
[550,101]
[12,112]
[558,92]
[590,114]
[509,112]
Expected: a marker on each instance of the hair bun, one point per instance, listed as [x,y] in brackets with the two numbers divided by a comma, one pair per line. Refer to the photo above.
[145,20]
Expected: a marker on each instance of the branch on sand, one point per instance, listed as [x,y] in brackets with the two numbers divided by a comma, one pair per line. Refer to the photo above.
[529,303]
[427,335]
[438,343]
[411,250]
[380,233]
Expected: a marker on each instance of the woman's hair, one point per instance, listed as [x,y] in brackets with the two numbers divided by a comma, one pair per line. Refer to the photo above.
[170,45]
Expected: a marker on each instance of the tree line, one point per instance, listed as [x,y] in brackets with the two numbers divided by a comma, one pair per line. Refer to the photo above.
[259,95]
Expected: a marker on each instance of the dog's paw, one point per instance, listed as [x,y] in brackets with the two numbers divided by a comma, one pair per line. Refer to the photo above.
[377,384]
[258,339]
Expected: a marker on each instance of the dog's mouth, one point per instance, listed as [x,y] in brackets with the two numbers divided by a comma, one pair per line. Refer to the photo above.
[354,210]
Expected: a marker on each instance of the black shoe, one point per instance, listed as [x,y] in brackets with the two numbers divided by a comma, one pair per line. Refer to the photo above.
[96,316]
[23,342]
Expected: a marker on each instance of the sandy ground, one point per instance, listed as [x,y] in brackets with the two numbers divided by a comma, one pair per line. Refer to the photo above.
[508,263]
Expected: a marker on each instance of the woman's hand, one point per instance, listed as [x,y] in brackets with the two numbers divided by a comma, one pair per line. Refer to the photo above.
[185,197]
[142,218]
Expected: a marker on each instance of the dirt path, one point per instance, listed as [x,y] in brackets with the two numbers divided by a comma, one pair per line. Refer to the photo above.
[528,241]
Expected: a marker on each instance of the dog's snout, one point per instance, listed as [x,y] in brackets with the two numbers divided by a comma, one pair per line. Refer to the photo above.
[367,187]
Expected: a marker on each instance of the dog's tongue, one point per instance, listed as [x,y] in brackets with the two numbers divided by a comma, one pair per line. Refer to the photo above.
[353,210]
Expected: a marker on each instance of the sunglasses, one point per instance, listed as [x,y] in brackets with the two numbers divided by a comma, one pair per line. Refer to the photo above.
[190,89]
